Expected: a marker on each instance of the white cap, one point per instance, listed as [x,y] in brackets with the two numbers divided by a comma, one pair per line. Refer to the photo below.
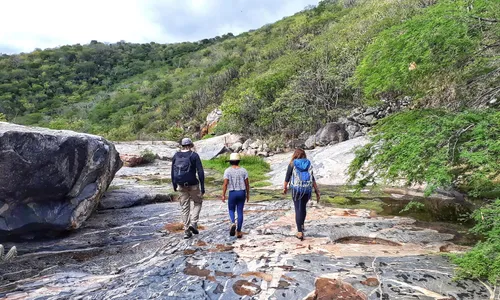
[234,157]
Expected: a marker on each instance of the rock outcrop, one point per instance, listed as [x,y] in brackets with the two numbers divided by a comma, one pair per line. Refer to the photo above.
[51,180]
[357,124]
[211,121]
[330,163]
[332,133]
[210,148]
[163,150]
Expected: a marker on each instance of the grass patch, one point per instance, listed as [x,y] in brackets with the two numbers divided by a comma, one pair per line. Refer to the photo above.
[259,184]
[263,197]
[340,200]
[256,166]
[343,202]
[156,181]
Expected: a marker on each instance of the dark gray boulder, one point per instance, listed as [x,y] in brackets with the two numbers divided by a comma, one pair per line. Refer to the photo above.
[51,180]
[330,134]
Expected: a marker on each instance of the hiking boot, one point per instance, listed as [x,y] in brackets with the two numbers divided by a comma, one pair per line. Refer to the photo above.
[187,234]
[194,228]
[232,229]
[300,236]
[239,234]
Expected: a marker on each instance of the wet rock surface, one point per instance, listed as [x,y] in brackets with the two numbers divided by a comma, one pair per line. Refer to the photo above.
[51,180]
[138,253]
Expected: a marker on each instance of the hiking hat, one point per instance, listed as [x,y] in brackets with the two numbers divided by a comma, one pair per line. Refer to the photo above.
[186,142]
[234,157]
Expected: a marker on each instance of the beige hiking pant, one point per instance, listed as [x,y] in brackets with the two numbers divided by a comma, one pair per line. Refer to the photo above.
[189,193]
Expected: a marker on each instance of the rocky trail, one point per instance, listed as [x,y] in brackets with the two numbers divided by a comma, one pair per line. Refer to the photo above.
[132,248]
[138,253]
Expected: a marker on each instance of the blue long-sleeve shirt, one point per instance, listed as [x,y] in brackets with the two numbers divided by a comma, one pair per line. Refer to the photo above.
[196,167]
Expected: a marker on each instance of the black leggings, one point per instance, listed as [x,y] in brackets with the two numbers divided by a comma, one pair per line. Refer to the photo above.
[300,202]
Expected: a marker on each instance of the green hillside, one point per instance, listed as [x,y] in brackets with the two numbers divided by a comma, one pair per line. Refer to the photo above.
[287,77]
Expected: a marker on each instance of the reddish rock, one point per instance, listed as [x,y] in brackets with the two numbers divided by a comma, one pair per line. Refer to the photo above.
[245,288]
[130,160]
[261,275]
[333,289]
[221,248]
[189,251]
[370,282]
[201,243]
[195,271]
[174,227]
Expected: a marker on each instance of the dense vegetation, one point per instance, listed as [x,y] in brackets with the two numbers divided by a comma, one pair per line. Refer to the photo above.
[436,147]
[483,261]
[282,79]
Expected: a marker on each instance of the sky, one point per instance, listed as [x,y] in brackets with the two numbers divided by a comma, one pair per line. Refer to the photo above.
[29,24]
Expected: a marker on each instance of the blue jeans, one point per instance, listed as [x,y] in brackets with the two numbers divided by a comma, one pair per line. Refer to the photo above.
[236,202]
[300,200]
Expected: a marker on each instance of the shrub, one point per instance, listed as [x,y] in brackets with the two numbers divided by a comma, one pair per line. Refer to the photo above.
[174,134]
[435,147]
[483,261]
[148,156]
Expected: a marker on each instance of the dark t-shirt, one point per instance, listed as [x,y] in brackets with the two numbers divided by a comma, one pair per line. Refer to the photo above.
[196,167]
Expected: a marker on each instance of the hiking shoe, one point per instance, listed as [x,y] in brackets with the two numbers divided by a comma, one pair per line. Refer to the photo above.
[300,236]
[239,234]
[187,234]
[194,229]
[232,229]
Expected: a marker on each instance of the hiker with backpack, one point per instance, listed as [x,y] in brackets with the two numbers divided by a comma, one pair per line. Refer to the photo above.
[185,165]
[300,177]
[236,180]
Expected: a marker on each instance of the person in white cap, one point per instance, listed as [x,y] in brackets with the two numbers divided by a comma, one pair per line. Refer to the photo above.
[185,165]
[236,180]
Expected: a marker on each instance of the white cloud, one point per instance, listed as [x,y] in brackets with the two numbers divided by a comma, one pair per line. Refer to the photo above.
[29,24]
[26,25]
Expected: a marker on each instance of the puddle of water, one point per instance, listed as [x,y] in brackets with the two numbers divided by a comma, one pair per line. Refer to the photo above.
[433,210]
[440,214]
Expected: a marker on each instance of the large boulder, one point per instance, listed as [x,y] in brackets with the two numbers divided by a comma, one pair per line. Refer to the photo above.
[51,180]
[330,163]
[330,134]
[212,147]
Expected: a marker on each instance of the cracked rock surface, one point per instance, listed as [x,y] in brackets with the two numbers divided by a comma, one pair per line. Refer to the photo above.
[138,252]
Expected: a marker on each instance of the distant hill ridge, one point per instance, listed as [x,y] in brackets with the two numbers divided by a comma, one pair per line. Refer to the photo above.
[288,77]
